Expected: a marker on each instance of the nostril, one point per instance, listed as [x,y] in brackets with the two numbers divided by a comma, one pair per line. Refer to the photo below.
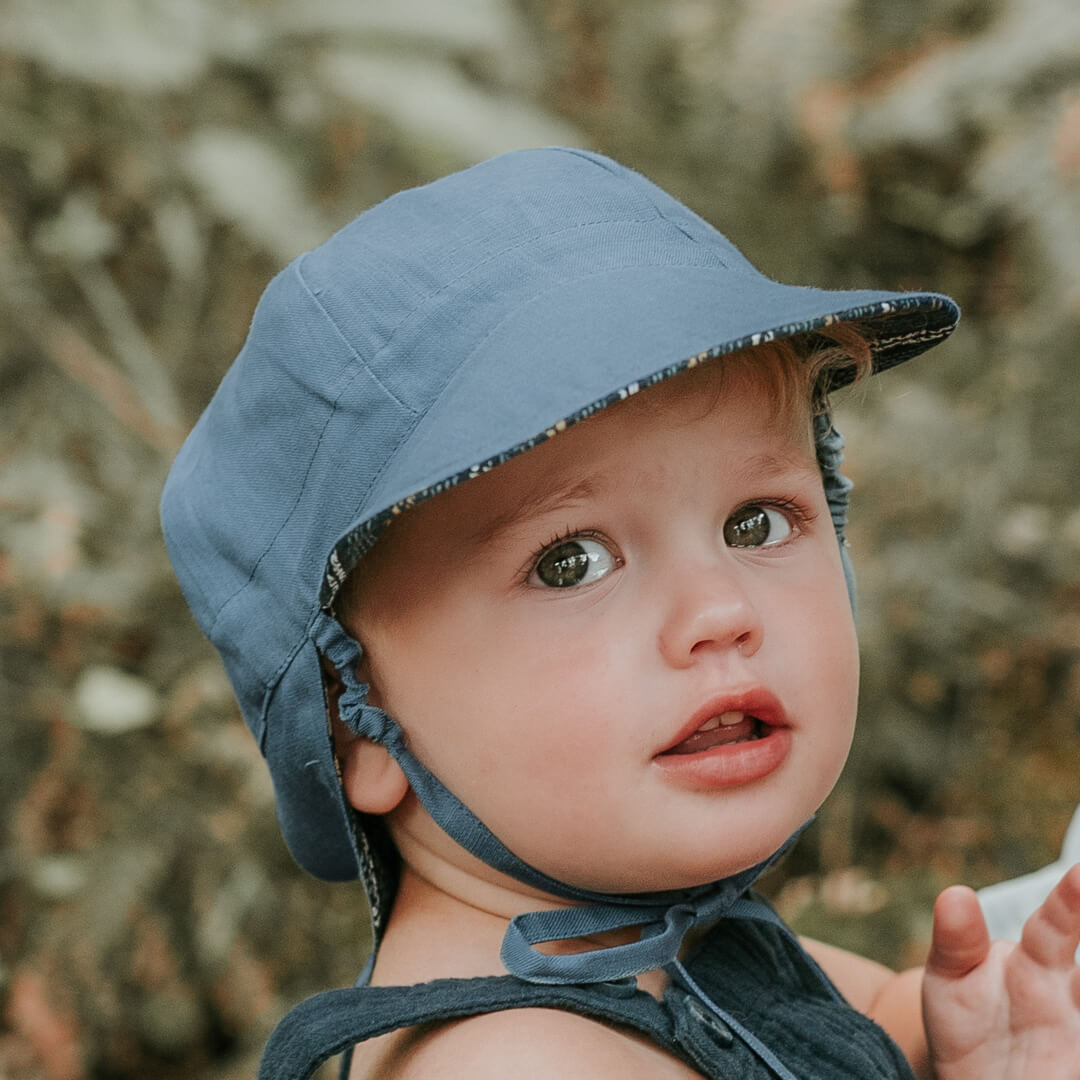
[744,643]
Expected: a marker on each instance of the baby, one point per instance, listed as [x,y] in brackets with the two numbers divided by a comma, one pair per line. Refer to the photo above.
[519,526]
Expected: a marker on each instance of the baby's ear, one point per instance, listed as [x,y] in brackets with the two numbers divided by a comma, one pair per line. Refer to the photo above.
[372,780]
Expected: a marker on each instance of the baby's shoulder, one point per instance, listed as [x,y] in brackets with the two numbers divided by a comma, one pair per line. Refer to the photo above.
[530,1044]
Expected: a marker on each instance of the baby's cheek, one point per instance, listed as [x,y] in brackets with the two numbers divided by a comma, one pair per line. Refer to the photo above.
[582,685]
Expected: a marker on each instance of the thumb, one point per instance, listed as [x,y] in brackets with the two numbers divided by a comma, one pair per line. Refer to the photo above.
[960,939]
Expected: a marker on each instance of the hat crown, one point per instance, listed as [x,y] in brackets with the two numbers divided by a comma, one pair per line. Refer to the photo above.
[350,345]
[489,237]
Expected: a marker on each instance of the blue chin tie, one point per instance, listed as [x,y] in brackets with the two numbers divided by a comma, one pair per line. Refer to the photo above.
[663,918]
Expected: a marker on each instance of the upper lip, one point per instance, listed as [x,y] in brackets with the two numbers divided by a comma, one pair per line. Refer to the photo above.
[755,701]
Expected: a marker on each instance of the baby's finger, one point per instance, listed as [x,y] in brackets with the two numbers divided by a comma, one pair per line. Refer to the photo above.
[960,940]
[1052,933]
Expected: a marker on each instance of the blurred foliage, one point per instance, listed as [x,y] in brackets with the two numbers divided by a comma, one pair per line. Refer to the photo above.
[160,159]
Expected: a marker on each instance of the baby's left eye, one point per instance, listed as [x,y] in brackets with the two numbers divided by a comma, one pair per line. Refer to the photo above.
[757,526]
[576,560]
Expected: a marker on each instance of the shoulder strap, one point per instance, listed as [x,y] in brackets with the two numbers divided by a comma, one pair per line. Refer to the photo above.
[330,1023]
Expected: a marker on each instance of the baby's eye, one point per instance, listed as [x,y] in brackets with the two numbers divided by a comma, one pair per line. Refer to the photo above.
[577,560]
[756,526]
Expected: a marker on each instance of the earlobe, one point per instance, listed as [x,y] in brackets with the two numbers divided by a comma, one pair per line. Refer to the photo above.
[372,779]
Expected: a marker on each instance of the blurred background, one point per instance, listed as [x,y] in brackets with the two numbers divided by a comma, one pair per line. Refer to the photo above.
[161,159]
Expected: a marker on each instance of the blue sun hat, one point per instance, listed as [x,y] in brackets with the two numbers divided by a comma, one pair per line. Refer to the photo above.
[441,333]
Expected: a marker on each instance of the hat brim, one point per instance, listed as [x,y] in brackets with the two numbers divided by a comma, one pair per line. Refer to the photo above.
[612,334]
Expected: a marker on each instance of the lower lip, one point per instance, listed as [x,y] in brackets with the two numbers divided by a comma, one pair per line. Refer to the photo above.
[730,765]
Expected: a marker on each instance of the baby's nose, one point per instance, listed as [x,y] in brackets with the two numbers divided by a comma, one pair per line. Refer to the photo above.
[710,609]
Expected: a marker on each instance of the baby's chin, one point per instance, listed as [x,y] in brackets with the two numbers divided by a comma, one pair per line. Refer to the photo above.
[671,878]
[690,865]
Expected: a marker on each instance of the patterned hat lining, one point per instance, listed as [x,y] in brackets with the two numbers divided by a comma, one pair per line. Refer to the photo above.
[887,351]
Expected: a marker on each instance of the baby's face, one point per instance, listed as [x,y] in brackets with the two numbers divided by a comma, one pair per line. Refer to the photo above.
[630,650]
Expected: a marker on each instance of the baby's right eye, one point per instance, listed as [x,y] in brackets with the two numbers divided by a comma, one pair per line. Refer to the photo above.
[577,560]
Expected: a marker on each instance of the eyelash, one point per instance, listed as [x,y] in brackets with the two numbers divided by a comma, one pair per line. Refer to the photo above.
[800,515]
[566,533]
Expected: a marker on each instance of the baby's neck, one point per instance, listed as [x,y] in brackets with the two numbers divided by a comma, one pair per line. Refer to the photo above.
[435,933]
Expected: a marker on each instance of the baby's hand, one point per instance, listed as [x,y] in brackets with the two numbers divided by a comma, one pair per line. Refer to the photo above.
[1003,1011]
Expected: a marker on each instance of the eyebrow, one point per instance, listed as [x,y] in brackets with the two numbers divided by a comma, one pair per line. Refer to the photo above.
[771,466]
[535,504]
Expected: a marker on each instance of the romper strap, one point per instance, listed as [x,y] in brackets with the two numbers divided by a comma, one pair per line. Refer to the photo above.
[330,1023]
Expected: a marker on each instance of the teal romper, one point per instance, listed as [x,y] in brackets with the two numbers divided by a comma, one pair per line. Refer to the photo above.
[780,1016]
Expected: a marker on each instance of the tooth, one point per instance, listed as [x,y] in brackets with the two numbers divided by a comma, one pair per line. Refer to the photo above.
[711,723]
[729,718]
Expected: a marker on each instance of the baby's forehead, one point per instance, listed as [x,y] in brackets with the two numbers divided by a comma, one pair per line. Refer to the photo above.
[582,464]
[636,449]
[722,392]
[718,386]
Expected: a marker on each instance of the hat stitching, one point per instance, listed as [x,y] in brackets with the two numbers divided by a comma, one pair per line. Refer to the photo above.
[534,238]
[354,353]
[461,367]
[357,369]
[357,542]
[644,187]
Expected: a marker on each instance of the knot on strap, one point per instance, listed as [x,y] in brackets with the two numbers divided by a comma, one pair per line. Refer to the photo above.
[664,921]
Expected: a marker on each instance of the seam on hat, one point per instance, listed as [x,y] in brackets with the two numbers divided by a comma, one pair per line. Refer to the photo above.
[277,532]
[478,345]
[355,369]
[272,686]
[390,339]
[352,350]
[620,174]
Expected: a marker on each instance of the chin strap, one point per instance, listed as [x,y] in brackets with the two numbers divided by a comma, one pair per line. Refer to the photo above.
[664,918]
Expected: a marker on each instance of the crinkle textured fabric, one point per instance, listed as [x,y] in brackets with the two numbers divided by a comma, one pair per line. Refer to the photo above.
[746,981]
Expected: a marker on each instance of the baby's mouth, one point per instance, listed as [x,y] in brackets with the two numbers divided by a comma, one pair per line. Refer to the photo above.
[724,729]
